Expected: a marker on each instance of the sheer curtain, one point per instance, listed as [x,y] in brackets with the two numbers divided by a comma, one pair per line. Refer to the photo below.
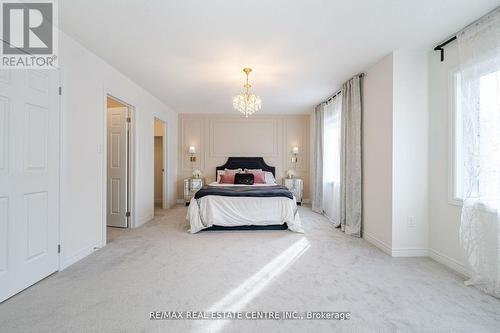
[317,200]
[331,159]
[479,51]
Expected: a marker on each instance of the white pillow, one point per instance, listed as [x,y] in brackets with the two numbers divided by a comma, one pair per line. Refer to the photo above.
[219,173]
[268,175]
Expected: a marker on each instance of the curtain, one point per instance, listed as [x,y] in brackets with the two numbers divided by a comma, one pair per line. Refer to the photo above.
[479,53]
[350,171]
[317,200]
[331,159]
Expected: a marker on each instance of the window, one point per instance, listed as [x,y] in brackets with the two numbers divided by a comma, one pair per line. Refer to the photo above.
[488,139]
[331,159]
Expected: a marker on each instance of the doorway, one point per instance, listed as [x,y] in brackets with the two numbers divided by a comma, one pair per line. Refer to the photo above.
[118,170]
[159,163]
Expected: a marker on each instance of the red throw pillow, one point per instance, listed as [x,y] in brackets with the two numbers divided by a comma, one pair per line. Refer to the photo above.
[259,177]
[227,179]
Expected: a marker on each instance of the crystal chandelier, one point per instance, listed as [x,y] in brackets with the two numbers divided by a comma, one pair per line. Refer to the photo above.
[245,102]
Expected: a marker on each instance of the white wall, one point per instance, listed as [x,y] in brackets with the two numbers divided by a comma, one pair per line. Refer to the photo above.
[444,217]
[421,156]
[377,153]
[395,154]
[410,153]
[85,79]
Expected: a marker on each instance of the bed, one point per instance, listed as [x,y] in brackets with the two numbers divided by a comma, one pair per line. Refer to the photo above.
[243,207]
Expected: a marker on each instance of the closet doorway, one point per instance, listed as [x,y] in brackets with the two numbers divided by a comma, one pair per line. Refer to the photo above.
[118,166]
[160,153]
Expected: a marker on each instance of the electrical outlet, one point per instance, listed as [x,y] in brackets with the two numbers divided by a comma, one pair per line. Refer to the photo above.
[411,221]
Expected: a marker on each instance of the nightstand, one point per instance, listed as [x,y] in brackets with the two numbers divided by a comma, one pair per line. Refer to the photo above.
[191,186]
[296,186]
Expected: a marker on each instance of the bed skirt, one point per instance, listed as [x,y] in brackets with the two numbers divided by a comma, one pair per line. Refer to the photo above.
[243,213]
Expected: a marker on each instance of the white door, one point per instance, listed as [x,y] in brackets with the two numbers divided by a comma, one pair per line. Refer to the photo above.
[117,190]
[29,178]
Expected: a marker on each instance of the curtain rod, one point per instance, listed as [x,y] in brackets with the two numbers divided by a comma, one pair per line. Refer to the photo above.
[329,99]
[440,46]
[443,44]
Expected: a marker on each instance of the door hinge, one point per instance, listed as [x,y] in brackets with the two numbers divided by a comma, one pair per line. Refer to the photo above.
[127,214]
[129,120]
[59,248]
[60,91]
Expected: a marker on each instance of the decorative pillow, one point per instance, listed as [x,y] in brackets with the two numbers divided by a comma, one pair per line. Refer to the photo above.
[259,177]
[244,178]
[226,179]
[227,171]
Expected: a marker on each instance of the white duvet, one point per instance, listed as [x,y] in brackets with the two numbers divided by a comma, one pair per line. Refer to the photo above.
[237,211]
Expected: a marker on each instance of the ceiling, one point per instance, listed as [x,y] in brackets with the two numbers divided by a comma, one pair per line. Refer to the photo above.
[190,54]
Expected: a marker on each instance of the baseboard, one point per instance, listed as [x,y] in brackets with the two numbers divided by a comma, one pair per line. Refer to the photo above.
[410,252]
[401,252]
[448,262]
[306,201]
[378,243]
[66,262]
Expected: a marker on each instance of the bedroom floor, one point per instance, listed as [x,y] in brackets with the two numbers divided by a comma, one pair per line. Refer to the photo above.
[160,267]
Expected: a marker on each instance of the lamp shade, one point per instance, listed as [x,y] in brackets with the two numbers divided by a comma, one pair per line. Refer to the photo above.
[192,150]
[295,150]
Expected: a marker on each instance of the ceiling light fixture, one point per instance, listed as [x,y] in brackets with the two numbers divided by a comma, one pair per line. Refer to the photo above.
[246,102]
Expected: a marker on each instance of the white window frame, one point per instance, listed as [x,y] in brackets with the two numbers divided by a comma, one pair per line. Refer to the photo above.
[453,197]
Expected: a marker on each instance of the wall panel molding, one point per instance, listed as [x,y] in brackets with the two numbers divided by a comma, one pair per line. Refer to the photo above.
[243,137]
[217,136]
[191,135]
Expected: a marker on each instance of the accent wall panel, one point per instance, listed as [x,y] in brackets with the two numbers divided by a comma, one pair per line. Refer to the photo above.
[218,136]
[296,134]
[243,137]
[191,135]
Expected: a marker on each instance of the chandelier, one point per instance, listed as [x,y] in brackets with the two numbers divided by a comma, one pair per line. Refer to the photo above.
[246,102]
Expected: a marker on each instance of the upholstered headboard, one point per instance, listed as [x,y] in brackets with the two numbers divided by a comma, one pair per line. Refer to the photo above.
[246,163]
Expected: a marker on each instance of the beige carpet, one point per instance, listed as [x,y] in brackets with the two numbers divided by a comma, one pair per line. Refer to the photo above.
[160,267]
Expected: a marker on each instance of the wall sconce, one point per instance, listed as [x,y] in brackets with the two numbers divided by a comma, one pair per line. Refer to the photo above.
[192,152]
[295,152]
